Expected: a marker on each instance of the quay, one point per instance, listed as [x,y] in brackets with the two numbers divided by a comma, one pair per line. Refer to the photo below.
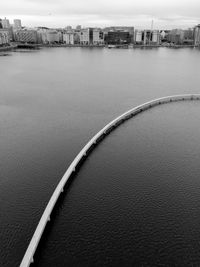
[7,48]
[45,218]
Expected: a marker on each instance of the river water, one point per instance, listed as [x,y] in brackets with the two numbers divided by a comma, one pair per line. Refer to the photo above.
[135,201]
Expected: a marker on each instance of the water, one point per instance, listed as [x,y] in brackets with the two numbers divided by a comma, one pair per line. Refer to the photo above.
[52,102]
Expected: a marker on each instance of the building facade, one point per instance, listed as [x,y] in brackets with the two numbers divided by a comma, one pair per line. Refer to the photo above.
[47,36]
[17,24]
[4,37]
[26,36]
[5,23]
[118,38]
[138,36]
[197,35]
[85,36]
[68,38]
[98,37]
[176,36]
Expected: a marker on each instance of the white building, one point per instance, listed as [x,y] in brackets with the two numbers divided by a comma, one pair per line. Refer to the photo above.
[155,38]
[68,38]
[4,37]
[84,37]
[5,23]
[17,24]
[147,37]
[197,35]
[98,37]
[138,37]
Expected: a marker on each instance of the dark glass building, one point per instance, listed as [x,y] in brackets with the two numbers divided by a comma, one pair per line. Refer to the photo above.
[118,37]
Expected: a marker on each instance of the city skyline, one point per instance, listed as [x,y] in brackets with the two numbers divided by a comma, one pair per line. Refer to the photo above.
[168,15]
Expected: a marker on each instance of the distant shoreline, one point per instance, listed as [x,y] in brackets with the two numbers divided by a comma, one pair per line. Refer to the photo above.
[38,46]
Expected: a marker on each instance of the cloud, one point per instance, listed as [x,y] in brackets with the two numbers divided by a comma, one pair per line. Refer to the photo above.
[101,12]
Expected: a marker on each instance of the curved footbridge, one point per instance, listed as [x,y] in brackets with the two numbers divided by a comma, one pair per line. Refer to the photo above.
[28,257]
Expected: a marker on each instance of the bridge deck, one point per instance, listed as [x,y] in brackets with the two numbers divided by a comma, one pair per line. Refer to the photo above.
[28,257]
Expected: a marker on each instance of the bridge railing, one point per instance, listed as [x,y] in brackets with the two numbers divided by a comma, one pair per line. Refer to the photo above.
[28,257]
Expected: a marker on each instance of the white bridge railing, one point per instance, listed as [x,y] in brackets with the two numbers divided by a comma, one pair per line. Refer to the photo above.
[28,257]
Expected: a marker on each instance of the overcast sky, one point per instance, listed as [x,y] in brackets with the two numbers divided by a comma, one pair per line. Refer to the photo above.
[138,13]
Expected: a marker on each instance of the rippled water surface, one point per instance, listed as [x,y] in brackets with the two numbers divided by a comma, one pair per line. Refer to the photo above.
[135,201]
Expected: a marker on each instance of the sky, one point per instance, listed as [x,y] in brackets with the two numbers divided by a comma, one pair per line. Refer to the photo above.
[165,14]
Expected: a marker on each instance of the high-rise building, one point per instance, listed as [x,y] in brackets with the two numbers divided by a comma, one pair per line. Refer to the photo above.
[17,24]
[197,35]
[5,23]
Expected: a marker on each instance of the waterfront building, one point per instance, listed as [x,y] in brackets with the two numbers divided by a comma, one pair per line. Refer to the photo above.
[5,23]
[197,35]
[26,36]
[176,36]
[188,37]
[68,37]
[155,37]
[76,37]
[138,37]
[4,37]
[128,29]
[118,38]
[17,24]
[98,37]
[164,35]
[47,36]
[52,36]
[147,37]
[85,36]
